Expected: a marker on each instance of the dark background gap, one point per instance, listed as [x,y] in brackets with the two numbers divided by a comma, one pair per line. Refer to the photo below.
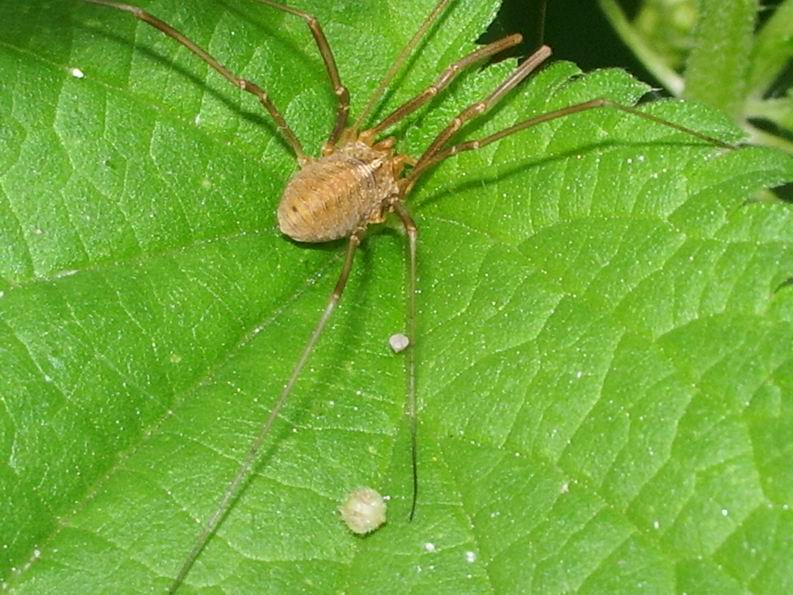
[576,31]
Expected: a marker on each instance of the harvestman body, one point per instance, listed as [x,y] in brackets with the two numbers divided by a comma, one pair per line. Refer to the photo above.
[358,180]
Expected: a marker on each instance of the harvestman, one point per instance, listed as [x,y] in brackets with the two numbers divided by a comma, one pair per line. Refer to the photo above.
[358,180]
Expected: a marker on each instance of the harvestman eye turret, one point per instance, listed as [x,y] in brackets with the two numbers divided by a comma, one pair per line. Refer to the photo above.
[359,179]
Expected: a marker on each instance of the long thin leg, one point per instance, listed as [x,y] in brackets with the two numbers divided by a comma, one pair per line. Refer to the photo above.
[246,467]
[541,22]
[478,108]
[400,60]
[243,84]
[472,145]
[342,95]
[411,409]
[443,81]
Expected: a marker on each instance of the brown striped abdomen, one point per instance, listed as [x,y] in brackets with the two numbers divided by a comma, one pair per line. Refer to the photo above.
[329,197]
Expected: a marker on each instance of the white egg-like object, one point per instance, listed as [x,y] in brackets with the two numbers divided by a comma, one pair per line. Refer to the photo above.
[363,511]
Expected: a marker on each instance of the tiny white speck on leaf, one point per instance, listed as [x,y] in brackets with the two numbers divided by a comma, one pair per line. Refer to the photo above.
[470,557]
[430,547]
[398,342]
[77,73]
[363,511]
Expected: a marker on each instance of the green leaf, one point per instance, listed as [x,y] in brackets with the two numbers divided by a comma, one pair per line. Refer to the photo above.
[605,379]
[772,54]
[731,62]
[659,36]
[773,49]
[717,68]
